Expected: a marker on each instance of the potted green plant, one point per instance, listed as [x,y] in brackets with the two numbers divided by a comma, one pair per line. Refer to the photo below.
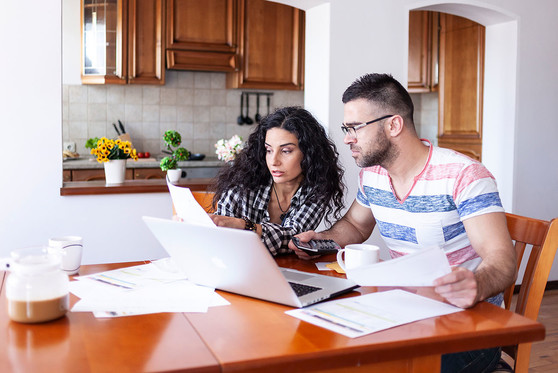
[169,163]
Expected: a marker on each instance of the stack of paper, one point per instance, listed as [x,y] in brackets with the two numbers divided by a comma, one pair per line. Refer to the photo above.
[143,289]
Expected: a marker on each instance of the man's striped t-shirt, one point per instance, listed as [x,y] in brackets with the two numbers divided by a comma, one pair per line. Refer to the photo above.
[450,189]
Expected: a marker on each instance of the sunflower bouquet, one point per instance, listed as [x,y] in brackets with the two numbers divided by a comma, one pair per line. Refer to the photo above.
[108,149]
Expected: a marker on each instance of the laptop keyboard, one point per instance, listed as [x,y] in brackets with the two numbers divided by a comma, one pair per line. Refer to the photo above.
[301,289]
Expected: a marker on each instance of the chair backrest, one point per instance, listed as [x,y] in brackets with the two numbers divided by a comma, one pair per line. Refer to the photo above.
[205,199]
[542,236]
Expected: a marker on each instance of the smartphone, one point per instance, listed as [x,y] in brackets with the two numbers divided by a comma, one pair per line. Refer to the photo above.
[317,247]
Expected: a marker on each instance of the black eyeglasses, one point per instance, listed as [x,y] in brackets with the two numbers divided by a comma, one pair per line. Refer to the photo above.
[351,131]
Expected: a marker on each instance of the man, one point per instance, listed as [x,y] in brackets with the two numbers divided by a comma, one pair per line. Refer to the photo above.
[420,196]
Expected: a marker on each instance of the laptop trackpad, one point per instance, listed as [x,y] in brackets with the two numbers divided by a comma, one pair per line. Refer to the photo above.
[296,276]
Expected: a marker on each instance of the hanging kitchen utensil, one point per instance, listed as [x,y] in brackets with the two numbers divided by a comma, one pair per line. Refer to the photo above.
[258,117]
[247,118]
[268,100]
[240,119]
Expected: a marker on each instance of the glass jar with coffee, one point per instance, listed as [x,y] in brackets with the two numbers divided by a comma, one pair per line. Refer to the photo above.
[37,289]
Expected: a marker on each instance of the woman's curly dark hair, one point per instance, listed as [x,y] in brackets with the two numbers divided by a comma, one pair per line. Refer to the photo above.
[320,165]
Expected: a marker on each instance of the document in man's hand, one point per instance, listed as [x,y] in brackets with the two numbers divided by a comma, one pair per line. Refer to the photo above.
[365,314]
[417,269]
[187,207]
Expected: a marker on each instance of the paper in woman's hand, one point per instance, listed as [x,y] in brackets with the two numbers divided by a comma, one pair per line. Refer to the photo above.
[417,269]
[186,206]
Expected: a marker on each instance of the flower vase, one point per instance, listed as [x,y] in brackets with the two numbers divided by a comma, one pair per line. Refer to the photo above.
[174,175]
[115,171]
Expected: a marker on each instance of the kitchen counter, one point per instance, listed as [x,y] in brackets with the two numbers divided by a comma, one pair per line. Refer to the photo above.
[85,176]
[91,163]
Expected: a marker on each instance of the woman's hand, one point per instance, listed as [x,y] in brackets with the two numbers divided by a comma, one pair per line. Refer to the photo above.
[228,221]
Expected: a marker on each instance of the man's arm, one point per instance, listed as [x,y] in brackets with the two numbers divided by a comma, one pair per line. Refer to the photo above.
[490,238]
[354,227]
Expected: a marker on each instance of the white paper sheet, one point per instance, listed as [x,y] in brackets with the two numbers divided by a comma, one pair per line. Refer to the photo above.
[141,289]
[358,316]
[322,266]
[417,269]
[179,296]
[137,276]
[187,207]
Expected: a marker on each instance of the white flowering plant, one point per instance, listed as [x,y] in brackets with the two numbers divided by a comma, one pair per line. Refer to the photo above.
[228,149]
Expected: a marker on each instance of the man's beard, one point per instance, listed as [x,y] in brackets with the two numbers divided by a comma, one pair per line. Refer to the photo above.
[383,154]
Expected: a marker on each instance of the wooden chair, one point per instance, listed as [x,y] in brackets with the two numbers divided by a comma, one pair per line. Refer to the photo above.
[205,199]
[543,237]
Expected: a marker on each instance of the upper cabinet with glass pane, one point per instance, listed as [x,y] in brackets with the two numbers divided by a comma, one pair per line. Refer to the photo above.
[115,49]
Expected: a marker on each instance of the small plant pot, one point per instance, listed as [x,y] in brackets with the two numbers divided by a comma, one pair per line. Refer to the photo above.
[174,175]
[115,171]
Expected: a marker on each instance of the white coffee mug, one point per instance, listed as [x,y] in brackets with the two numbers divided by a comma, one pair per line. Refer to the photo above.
[70,249]
[357,255]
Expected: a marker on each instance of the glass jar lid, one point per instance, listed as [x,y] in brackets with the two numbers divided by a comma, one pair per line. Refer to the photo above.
[33,260]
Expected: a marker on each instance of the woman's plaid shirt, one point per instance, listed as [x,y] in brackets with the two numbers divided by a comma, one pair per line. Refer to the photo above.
[302,215]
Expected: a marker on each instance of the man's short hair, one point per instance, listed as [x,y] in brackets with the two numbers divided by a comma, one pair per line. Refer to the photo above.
[382,90]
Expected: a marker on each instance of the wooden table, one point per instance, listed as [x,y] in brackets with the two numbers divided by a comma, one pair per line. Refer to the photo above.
[248,335]
[81,343]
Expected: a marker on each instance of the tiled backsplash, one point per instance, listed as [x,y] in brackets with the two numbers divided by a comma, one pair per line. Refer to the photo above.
[196,104]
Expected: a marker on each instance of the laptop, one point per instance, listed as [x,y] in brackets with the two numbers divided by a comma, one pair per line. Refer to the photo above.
[237,261]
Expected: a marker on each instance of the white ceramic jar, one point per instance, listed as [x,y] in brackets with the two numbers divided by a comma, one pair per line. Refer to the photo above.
[37,289]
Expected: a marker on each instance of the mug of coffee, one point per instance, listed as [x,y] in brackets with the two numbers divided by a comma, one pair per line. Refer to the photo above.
[70,249]
[357,255]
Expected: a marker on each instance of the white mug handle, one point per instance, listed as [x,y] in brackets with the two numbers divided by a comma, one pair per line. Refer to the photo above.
[340,259]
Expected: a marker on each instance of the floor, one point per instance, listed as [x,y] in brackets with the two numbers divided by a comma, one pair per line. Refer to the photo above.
[544,355]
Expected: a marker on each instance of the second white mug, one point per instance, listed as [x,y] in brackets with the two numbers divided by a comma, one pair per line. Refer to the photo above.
[70,249]
[357,255]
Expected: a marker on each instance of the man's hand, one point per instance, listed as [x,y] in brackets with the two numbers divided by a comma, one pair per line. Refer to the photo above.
[459,287]
[304,237]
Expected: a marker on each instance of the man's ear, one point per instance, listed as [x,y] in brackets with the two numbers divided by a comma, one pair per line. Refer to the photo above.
[395,125]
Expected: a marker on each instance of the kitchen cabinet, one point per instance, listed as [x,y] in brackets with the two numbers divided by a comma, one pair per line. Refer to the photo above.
[461,85]
[123,42]
[66,175]
[149,173]
[201,35]
[423,51]
[139,173]
[271,47]
[131,174]
[95,174]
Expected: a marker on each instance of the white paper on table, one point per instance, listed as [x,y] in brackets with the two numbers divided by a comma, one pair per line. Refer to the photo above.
[178,296]
[187,207]
[416,269]
[322,266]
[137,276]
[365,314]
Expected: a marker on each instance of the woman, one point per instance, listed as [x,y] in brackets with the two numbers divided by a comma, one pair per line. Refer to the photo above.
[285,180]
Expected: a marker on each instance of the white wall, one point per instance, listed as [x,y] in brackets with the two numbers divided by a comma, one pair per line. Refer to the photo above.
[31,208]
[371,36]
[363,36]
